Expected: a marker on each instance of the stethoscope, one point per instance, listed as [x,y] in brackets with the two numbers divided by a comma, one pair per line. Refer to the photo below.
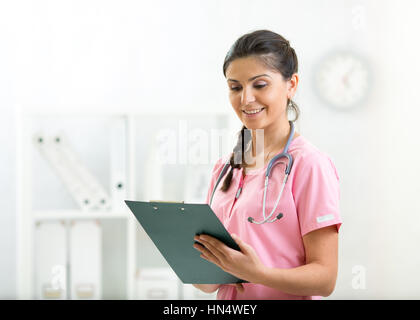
[271,164]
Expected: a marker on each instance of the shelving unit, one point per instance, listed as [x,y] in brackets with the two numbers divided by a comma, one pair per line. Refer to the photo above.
[130,265]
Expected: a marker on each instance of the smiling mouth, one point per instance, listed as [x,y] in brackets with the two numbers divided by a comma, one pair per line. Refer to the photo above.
[252,112]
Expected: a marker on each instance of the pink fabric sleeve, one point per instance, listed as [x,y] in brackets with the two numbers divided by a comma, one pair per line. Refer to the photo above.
[317,193]
[215,173]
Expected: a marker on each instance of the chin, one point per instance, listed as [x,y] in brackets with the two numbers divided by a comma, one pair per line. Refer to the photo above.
[253,125]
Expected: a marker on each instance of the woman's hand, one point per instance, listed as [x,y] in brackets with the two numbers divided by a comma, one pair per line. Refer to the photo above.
[244,264]
[207,288]
[210,288]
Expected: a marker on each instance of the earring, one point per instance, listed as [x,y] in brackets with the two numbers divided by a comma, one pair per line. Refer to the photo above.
[290,104]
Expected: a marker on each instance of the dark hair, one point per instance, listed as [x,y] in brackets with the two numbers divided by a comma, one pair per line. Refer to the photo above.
[275,53]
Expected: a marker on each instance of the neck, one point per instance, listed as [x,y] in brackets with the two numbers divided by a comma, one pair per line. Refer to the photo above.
[275,138]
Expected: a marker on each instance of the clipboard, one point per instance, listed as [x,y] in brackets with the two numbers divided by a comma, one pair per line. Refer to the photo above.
[172,227]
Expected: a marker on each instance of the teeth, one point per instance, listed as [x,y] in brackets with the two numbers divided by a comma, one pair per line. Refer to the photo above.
[254,111]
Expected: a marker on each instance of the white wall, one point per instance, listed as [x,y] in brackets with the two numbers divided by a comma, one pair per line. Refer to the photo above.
[7,168]
[102,56]
[7,204]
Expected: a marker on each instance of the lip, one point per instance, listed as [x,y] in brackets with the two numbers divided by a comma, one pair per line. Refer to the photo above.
[253,115]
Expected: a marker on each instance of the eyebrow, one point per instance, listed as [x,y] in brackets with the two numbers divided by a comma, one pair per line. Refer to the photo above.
[250,79]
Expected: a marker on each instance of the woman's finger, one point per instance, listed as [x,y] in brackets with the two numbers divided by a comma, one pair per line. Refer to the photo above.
[242,245]
[207,254]
[213,247]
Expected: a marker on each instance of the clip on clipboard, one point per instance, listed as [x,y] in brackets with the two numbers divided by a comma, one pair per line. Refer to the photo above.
[172,227]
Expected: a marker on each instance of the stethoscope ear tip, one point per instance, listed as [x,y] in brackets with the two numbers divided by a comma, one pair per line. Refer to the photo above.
[250,219]
[279,216]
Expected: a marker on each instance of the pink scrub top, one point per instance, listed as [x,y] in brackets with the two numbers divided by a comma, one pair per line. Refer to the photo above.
[310,201]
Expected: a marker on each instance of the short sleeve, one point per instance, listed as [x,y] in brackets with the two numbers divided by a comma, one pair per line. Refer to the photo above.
[317,193]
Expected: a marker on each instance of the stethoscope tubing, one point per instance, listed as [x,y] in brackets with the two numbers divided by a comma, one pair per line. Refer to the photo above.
[270,166]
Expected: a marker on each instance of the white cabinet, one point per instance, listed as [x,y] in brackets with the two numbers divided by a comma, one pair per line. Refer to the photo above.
[156,283]
[69,252]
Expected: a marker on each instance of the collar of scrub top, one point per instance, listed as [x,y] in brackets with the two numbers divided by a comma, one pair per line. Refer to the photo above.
[270,166]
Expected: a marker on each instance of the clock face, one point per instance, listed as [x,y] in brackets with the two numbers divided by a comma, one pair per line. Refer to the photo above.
[342,80]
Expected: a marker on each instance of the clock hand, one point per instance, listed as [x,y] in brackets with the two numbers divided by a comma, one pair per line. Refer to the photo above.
[346,77]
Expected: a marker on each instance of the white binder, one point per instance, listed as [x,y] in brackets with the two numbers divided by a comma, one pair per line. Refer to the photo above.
[80,182]
[85,260]
[50,260]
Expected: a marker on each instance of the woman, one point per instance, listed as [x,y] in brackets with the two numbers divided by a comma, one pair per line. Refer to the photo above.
[296,256]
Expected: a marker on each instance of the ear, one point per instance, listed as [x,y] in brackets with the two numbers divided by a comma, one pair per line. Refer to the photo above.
[292,85]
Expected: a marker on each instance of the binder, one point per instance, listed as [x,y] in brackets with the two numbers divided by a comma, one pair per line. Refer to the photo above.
[172,227]
[80,182]
[85,260]
[50,260]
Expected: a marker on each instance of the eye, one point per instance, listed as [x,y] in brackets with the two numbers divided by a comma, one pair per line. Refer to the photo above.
[258,86]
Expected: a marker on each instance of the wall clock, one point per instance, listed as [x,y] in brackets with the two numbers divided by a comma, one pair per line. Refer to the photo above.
[342,80]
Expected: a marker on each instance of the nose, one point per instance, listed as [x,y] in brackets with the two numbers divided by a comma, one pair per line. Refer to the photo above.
[247,96]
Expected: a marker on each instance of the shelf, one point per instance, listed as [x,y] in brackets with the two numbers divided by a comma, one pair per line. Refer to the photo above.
[78,215]
[125,247]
